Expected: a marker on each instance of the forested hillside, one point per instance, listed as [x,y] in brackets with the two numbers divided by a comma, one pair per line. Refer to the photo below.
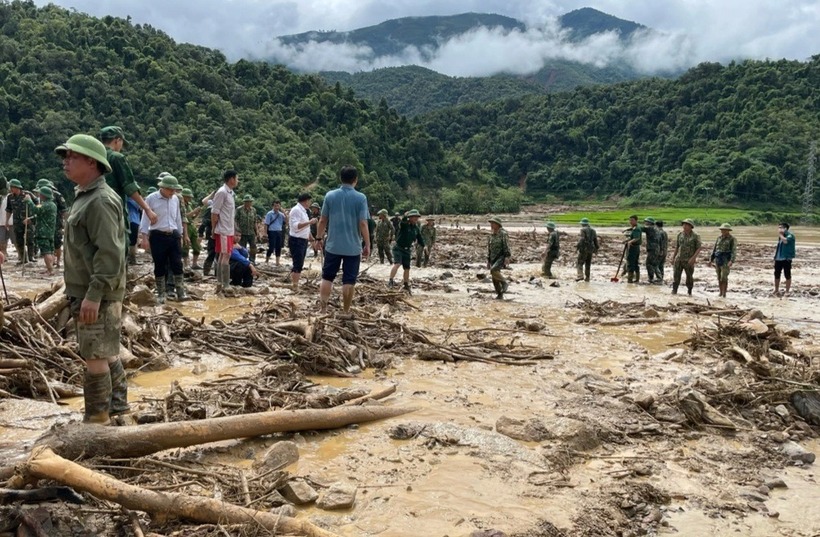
[187,110]
[737,133]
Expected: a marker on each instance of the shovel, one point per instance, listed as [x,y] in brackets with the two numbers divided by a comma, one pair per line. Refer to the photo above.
[618,270]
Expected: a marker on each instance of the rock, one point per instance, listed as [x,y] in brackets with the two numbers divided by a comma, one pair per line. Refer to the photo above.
[754,496]
[481,276]
[782,411]
[753,315]
[797,453]
[531,430]
[299,492]
[651,313]
[779,437]
[284,510]
[792,332]
[726,369]
[488,533]
[776,483]
[575,434]
[664,412]
[668,355]
[555,284]
[445,276]
[142,296]
[763,489]
[279,455]
[338,496]
[807,405]
[144,416]
[644,400]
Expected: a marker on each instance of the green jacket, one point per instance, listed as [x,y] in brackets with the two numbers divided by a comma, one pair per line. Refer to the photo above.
[498,246]
[428,233]
[94,244]
[384,232]
[687,246]
[636,234]
[45,216]
[587,241]
[553,243]
[408,234]
[653,239]
[16,205]
[121,178]
[725,249]
[246,221]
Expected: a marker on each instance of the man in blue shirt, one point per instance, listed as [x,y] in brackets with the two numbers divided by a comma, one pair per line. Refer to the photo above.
[242,270]
[344,216]
[275,224]
[783,255]
[134,218]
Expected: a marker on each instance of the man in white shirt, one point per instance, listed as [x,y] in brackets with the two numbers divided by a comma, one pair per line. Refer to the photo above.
[165,236]
[299,236]
[223,213]
[5,227]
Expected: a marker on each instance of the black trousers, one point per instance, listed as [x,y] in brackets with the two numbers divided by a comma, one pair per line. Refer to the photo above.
[241,275]
[165,249]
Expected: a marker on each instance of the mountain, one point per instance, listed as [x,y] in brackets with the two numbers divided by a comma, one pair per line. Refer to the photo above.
[585,22]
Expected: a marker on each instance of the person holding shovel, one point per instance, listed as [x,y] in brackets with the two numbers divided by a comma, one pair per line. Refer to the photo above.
[498,256]
[723,256]
[633,250]
[586,247]
[551,254]
[687,250]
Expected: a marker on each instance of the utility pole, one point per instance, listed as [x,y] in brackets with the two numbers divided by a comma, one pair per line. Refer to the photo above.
[808,194]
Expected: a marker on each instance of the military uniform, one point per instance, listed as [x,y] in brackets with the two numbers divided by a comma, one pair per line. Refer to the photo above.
[586,246]
[428,233]
[407,235]
[653,247]
[24,237]
[188,215]
[246,226]
[723,254]
[46,218]
[553,250]
[498,250]
[384,236]
[633,253]
[663,250]
[687,246]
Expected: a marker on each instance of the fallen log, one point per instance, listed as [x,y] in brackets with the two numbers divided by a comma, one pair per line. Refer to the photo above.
[43,311]
[45,464]
[631,321]
[78,441]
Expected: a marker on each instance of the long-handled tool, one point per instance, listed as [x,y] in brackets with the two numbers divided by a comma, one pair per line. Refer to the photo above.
[618,270]
[2,279]
[25,250]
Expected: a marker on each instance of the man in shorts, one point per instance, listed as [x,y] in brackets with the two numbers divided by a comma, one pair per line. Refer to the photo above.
[223,214]
[344,217]
[95,275]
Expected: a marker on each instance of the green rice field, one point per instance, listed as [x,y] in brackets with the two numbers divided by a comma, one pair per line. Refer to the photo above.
[672,216]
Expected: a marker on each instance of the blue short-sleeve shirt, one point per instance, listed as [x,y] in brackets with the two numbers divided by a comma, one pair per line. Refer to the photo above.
[344,209]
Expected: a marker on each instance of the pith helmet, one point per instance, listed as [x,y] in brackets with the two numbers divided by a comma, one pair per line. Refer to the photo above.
[169,181]
[315,205]
[43,182]
[383,211]
[412,212]
[688,221]
[550,225]
[726,226]
[431,218]
[584,221]
[247,197]
[45,192]
[112,132]
[151,189]
[85,145]
[15,183]
[649,220]
[495,220]
[187,193]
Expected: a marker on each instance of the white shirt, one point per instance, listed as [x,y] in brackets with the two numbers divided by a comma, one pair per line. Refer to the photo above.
[3,211]
[299,215]
[225,206]
[167,211]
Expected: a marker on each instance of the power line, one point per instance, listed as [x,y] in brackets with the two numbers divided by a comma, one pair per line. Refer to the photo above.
[808,195]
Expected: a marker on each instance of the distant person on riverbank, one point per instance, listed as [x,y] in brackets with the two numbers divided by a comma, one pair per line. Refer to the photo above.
[409,232]
[95,275]
[723,256]
[687,250]
[663,250]
[783,255]
[552,251]
[384,236]
[428,233]
[44,216]
[498,256]
[652,248]
[633,250]
[586,247]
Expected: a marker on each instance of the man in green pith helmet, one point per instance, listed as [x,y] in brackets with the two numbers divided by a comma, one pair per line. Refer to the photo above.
[44,217]
[409,233]
[95,275]
[498,256]
[723,256]
[384,236]
[663,250]
[687,250]
[191,213]
[246,225]
[552,251]
[586,247]
[653,245]
[633,250]
[17,208]
[428,233]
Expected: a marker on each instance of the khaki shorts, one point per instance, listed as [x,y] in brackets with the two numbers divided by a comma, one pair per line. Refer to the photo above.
[101,339]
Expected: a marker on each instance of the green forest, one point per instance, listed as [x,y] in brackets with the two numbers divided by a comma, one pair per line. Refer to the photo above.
[727,134]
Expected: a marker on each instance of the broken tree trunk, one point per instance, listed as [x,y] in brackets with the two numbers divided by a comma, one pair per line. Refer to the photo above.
[45,464]
[77,440]
[43,311]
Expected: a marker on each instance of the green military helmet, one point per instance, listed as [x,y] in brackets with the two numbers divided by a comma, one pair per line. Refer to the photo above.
[688,221]
[382,211]
[495,220]
[112,132]
[169,181]
[726,226]
[247,198]
[46,192]
[85,145]
[15,183]
[162,174]
[412,212]
[430,219]
[151,189]
[584,221]
[649,220]
[550,225]
[43,182]
[187,193]
[315,205]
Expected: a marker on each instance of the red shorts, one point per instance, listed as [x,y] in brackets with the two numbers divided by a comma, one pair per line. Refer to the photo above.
[223,244]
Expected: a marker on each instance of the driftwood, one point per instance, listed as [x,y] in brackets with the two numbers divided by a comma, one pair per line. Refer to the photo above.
[632,321]
[41,312]
[76,441]
[45,464]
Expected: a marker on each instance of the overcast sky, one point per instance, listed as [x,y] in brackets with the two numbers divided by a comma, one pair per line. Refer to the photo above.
[693,31]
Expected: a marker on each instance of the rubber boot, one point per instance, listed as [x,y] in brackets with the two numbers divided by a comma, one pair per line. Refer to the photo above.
[97,395]
[505,285]
[630,277]
[179,284]
[498,293]
[206,267]
[132,255]
[119,389]
[406,288]
[161,292]
[637,276]
[688,290]
[674,289]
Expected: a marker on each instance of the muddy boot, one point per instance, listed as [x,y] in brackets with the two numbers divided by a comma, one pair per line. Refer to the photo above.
[392,283]
[689,290]
[406,288]
[132,255]
[119,389]
[674,289]
[97,395]
[498,293]
[206,267]
[637,276]
[179,284]
[630,277]
[161,293]
[505,285]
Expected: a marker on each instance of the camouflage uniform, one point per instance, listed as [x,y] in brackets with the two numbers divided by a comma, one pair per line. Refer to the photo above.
[653,247]
[663,250]
[188,215]
[587,246]
[633,254]
[687,246]
[23,239]
[724,252]
[498,250]
[246,226]
[46,218]
[428,233]
[553,249]
[62,209]
[384,236]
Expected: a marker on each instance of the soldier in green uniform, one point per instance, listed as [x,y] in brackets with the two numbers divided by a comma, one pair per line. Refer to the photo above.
[498,256]
[95,275]
[653,246]
[409,232]
[551,253]
[246,226]
[723,256]
[687,249]
[384,236]
[586,247]
[44,217]
[663,249]
[17,207]
[428,233]
[189,214]
[633,250]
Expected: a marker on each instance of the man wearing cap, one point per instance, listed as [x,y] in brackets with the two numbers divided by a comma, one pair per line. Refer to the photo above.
[62,210]
[633,250]
[663,250]
[409,233]
[723,256]
[396,221]
[18,209]
[121,178]
[345,216]
[652,248]
[165,237]
[428,234]
[687,249]
[223,215]
[384,236]
[246,225]
[275,224]
[299,236]
[45,218]
[95,275]
[498,256]
[315,212]
[586,247]
[783,256]
[552,251]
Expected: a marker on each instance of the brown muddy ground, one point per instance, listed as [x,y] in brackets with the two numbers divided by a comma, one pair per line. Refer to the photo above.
[602,464]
